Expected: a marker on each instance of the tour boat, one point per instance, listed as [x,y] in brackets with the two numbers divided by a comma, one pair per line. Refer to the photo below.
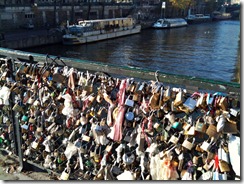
[101,29]
[198,18]
[169,23]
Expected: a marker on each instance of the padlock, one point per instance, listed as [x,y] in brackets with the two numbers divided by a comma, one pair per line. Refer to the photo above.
[83,119]
[209,99]
[109,147]
[39,129]
[171,117]
[179,98]
[127,137]
[201,101]
[200,125]
[116,169]
[129,115]
[31,100]
[208,165]
[235,112]
[206,145]
[221,120]
[129,102]
[32,120]
[212,131]
[186,126]
[187,144]
[87,175]
[224,166]
[25,118]
[128,158]
[65,174]
[223,155]
[154,99]
[25,127]
[141,142]
[178,150]
[97,156]
[31,127]
[157,127]
[167,94]
[35,144]
[223,103]
[57,75]
[174,139]
[86,138]
[190,104]
[17,107]
[177,125]
[24,136]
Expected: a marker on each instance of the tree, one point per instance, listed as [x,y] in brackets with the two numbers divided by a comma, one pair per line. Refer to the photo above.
[182,4]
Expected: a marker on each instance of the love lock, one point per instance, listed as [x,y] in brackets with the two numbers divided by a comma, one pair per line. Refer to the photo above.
[128,158]
[187,144]
[65,174]
[129,102]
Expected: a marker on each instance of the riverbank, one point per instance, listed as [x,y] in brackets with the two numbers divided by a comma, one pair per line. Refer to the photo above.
[23,38]
[20,39]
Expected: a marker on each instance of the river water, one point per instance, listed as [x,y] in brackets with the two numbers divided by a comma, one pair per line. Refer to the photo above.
[209,50]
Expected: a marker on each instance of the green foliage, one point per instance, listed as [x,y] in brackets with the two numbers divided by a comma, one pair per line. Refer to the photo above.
[182,4]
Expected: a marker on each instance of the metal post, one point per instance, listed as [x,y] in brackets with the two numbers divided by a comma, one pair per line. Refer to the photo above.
[19,141]
[16,127]
[54,11]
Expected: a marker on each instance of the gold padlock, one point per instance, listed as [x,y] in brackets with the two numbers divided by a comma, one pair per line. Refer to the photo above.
[224,166]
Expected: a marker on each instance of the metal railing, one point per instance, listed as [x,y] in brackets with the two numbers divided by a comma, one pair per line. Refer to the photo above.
[231,88]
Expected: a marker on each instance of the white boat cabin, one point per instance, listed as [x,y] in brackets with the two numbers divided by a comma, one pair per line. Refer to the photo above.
[100,24]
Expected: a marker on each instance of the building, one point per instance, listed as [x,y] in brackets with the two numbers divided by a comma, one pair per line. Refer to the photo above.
[51,13]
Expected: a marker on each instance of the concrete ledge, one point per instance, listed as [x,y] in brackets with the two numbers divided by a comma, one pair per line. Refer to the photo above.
[32,41]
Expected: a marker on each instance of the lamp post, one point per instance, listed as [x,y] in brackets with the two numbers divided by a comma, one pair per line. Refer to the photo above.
[73,12]
[163,8]
[139,17]
[54,11]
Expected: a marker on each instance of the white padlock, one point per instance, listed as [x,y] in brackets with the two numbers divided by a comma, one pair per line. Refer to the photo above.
[65,174]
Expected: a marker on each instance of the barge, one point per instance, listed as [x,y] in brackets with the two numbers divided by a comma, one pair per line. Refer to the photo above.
[101,29]
[169,23]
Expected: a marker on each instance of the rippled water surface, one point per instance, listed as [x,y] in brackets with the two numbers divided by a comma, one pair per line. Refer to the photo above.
[208,50]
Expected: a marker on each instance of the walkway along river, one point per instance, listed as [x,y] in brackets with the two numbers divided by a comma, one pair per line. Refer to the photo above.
[209,50]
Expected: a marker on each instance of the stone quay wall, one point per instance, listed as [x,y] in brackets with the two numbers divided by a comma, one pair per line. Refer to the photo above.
[31,41]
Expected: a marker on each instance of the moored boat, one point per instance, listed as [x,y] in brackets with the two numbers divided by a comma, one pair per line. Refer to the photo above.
[101,29]
[169,23]
[198,18]
[221,16]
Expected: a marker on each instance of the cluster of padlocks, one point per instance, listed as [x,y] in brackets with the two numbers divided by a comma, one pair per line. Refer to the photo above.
[91,126]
